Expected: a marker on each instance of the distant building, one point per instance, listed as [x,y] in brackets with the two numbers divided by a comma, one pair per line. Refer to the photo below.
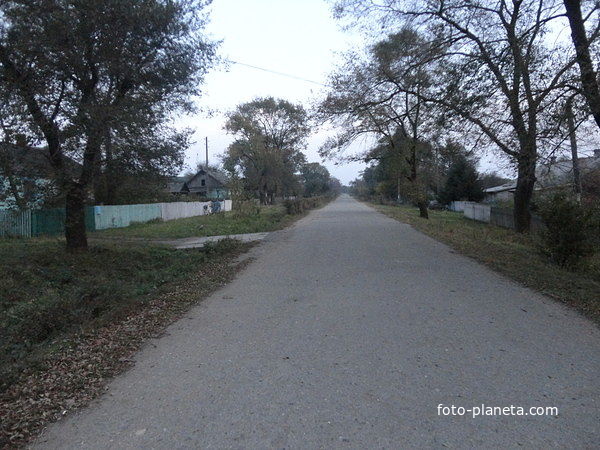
[28,171]
[501,193]
[206,183]
[557,173]
[554,174]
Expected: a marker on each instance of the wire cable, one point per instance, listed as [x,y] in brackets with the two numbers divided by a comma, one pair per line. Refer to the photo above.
[278,73]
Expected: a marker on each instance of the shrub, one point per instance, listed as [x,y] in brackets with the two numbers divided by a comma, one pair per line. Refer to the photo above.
[243,208]
[571,232]
[300,205]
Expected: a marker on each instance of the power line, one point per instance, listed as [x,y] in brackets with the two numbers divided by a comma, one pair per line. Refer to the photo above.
[278,73]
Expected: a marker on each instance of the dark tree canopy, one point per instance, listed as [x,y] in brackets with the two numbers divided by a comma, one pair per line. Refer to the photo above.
[79,73]
[316,179]
[270,135]
[462,182]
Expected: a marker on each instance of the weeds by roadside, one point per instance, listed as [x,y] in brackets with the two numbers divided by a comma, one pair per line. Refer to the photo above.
[70,322]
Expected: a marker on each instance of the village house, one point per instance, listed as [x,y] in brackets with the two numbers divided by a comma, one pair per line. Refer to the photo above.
[26,176]
[553,174]
[206,183]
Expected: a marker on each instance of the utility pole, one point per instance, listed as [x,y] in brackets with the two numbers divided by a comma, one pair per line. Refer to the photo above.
[574,155]
[206,145]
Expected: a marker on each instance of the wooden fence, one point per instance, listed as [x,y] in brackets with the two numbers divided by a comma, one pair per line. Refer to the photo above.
[477,211]
[15,223]
[52,221]
[504,217]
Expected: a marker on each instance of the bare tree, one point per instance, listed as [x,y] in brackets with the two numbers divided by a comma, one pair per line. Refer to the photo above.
[497,67]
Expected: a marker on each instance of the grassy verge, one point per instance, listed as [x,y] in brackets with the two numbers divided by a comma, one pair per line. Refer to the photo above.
[271,218]
[511,254]
[69,322]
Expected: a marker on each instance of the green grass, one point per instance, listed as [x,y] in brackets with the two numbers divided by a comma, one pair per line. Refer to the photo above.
[46,293]
[516,256]
[270,218]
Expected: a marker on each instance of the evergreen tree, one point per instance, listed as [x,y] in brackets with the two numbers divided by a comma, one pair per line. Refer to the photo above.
[462,183]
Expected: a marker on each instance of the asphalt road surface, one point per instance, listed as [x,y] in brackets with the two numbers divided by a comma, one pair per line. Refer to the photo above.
[347,331]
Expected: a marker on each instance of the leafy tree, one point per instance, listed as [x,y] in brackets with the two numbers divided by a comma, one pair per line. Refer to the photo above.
[497,68]
[78,71]
[492,179]
[134,168]
[364,100]
[316,179]
[462,183]
[571,232]
[591,186]
[270,135]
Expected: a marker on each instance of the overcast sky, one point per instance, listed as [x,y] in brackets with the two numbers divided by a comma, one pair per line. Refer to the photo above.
[296,37]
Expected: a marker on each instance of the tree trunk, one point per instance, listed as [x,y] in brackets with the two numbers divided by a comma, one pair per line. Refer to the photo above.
[423,210]
[589,80]
[574,154]
[111,178]
[262,195]
[75,233]
[523,193]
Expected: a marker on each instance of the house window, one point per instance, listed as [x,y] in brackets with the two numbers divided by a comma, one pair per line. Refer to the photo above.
[203,183]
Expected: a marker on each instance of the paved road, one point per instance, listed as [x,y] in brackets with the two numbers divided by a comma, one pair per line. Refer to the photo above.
[348,331]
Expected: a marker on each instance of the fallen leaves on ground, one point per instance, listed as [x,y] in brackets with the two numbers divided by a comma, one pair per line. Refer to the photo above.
[79,370]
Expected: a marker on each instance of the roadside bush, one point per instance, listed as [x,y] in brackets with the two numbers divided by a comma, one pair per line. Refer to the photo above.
[571,233]
[300,205]
[246,208]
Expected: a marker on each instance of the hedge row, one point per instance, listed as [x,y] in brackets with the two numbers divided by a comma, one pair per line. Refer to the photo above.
[300,205]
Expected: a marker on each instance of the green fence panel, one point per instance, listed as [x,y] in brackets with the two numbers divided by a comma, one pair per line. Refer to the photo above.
[118,216]
[51,222]
[15,223]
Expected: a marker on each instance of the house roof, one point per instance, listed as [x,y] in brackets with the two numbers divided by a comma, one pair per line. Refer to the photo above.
[502,188]
[180,184]
[553,173]
[559,172]
[33,162]
[218,176]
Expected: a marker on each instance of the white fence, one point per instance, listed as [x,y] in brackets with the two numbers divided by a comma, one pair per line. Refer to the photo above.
[15,223]
[125,215]
[477,211]
[119,216]
[180,210]
[457,206]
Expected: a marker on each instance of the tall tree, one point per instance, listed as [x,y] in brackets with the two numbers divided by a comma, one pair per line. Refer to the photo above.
[364,99]
[134,166]
[316,179]
[589,77]
[270,135]
[82,70]
[462,182]
[498,67]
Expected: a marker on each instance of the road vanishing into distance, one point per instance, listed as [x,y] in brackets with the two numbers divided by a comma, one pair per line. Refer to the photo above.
[348,330]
